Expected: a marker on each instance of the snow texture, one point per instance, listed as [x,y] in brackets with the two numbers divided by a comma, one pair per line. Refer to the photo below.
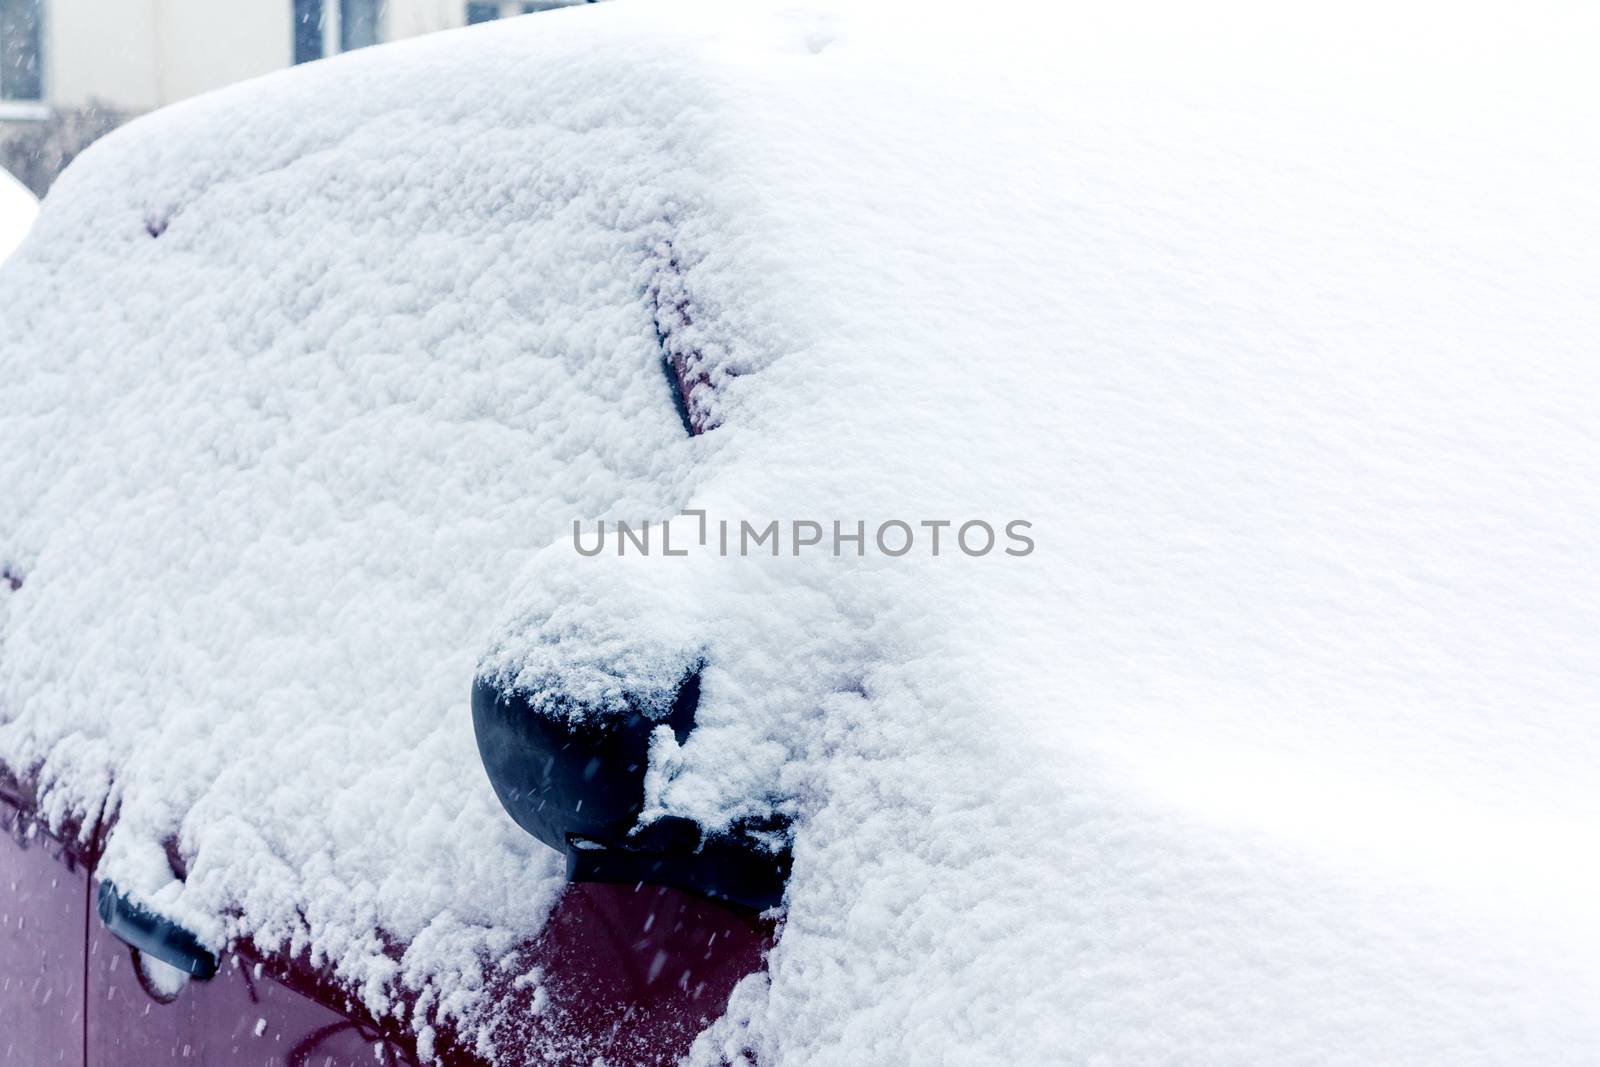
[1278,326]
[18,207]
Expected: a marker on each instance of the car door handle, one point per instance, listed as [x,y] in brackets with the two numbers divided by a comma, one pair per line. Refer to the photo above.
[153,935]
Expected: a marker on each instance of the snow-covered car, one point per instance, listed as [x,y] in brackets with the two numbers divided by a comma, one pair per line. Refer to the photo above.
[792,534]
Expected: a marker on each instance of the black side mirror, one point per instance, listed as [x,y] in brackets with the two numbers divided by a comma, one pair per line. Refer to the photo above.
[577,783]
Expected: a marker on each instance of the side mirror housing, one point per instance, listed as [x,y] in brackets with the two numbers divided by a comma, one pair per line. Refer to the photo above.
[577,784]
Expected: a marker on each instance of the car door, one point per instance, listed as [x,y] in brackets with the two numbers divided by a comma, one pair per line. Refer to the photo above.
[72,993]
[44,907]
[142,1010]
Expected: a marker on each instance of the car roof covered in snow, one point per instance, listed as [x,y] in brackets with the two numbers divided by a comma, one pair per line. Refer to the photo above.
[1279,742]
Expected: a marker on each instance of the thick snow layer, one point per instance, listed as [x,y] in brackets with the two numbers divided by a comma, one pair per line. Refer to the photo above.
[1277,328]
[18,207]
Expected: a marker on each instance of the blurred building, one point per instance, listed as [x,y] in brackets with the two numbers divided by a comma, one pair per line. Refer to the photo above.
[135,55]
[72,70]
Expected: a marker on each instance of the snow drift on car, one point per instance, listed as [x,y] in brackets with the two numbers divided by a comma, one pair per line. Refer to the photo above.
[1277,327]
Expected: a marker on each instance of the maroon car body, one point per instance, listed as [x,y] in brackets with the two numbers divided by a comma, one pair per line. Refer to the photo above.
[633,973]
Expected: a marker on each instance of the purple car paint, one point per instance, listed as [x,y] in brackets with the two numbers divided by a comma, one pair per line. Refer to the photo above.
[238,1017]
[44,911]
[629,974]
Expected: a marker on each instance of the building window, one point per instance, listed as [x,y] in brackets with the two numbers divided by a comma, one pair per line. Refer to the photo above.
[307,30]
[477,13]
[20,74]
[358,24]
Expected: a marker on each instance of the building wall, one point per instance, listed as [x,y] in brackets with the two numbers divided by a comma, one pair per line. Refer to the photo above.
[137,55]
[99,63]
[102,50]
[411,18]
[408,18]
[140,54]
[203,44]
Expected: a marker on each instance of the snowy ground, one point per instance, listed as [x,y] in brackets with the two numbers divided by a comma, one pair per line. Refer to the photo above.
[1279,330]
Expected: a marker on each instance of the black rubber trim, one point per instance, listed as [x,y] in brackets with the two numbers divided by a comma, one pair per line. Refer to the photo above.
[153,935]
[722,869]
[679,401]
